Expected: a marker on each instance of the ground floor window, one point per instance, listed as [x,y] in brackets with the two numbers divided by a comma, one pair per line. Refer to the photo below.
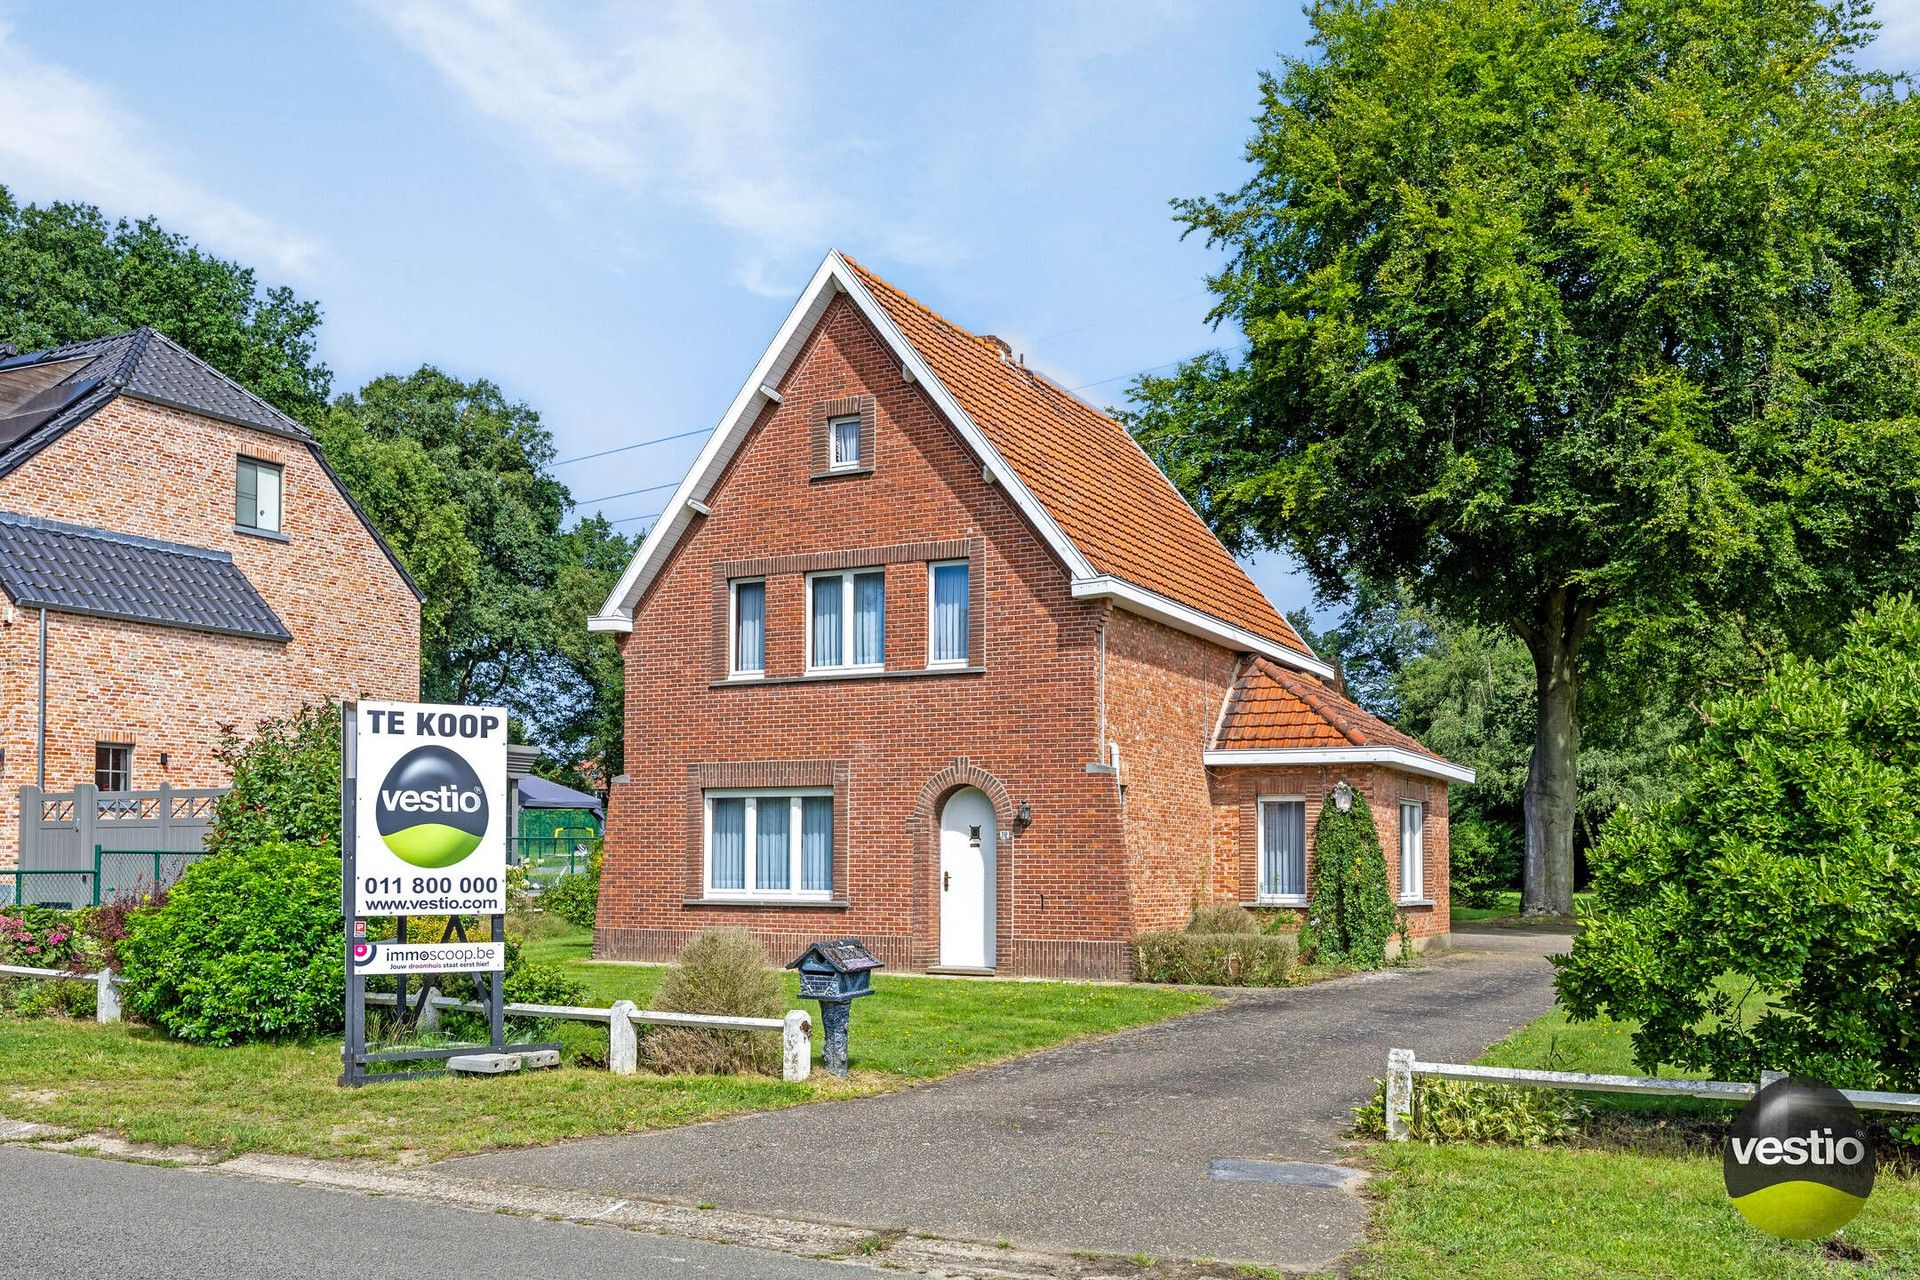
[1283,849]
[770,844]
[113,766]
[1413,851]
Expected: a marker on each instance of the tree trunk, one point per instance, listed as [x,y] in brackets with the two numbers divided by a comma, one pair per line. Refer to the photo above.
[1553,779]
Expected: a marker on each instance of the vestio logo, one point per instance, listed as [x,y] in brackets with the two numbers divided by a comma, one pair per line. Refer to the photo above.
[1799,1162]
[432,810]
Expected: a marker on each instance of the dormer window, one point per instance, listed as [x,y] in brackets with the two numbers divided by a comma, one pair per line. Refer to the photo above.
[845,436]
[256,505]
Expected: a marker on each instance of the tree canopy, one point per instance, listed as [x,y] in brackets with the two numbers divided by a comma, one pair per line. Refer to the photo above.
[1568,315]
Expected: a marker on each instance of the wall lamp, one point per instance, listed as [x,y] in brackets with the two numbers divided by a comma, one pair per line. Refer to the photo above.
[1023,816]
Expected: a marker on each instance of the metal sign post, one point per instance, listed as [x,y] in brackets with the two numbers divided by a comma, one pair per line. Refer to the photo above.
[423,818]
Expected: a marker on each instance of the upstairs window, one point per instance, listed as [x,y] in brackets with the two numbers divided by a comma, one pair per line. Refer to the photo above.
[113,766]
[770,844]
[256,503]
[1413,851]
[749,641]
[950,627]
[847,621]
[844,437]
[1283,850]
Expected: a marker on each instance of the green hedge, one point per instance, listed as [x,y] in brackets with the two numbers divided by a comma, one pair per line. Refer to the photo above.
[1216,959]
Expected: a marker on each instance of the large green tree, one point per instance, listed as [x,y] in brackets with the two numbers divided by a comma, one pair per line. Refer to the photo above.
[68,274]
[1562,312]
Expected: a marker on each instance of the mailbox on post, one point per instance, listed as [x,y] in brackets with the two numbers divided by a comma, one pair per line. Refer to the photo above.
[835,973]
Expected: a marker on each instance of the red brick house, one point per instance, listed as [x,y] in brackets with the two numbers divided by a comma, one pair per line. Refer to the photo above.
[176,557]
[926,650]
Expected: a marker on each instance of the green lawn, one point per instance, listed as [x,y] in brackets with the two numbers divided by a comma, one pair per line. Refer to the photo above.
[283,1097]
[1633,1200]
[1505,909]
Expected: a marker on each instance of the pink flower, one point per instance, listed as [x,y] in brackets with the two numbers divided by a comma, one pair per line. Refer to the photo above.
[55,939]
[33,951]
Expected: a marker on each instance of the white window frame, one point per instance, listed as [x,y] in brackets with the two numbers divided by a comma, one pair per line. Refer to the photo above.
[846,577]
[1413,862]
[243,461]
[752,893]
[734,670]
[1260,853]
[834,461]
[933,566]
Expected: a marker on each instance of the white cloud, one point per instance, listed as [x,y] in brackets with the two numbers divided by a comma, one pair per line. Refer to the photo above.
[692,105]
[73,140]
[1897,47]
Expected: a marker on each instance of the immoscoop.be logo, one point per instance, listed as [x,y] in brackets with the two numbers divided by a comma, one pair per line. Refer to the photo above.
[1799,1160]
[432,809]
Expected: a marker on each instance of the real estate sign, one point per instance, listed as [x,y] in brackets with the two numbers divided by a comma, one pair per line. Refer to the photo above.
[430,800]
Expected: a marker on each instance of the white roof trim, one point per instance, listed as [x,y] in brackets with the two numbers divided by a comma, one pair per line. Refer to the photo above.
[1151,604]
[1393,757]
[833,277]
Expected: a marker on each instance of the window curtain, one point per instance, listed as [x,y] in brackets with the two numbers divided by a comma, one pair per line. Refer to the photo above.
[750,626]
[826,622]
[816,843]
[1284,838]
[846,442]
[870,618]
[729,845]
[1410,850]
[772,851]
[950,613]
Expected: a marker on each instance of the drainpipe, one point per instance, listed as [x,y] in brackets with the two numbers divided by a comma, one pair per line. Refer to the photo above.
[40,746]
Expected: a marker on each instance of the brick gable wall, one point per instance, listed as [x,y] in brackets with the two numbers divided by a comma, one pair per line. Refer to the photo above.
[163,473]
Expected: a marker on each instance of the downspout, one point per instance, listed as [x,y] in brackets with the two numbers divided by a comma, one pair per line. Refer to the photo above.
[40,744]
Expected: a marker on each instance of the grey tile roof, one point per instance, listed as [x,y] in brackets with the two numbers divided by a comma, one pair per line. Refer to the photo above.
[72,568]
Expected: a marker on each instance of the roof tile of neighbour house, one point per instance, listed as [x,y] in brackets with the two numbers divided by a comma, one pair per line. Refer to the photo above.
[71,568]
[1272,708]
[1085,469]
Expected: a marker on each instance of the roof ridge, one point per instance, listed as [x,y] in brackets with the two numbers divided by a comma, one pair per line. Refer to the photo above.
[112,535]
[292,424]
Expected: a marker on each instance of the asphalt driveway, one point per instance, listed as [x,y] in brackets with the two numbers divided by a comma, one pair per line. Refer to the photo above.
[1104,1145]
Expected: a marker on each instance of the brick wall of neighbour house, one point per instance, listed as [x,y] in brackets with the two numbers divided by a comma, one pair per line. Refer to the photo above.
[1164,691]
[1236,792]
[158,472]
[1023,725]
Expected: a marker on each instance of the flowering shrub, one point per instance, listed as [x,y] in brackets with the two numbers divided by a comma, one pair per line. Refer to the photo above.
[40,938]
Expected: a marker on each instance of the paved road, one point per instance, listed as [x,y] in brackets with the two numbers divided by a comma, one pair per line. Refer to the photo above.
[68,1216]
[1103,1145]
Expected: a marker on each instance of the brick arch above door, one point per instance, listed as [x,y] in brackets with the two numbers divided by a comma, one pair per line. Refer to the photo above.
[923,831]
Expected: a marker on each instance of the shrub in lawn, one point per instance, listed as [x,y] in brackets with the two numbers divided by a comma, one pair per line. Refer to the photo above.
[1216,959]
[575,898]
[248,946]
[720,971]
[286,783]
[1456,1111]
[1350,909]
[40,938]
[1223,917]
[1765,913]
[105,926]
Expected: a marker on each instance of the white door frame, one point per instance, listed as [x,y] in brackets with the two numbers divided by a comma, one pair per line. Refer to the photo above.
[969,854]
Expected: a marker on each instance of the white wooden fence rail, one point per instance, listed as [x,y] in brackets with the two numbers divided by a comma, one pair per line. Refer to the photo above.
[1402,1067]
[796,1028]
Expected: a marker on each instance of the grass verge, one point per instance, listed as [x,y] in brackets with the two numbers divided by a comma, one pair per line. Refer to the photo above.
[283,1097]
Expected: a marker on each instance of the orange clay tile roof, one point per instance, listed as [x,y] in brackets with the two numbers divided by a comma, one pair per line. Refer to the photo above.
[1272,707]
[1085,469]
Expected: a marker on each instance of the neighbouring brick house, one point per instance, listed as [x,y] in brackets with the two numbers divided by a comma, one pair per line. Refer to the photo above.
[185,560]
[927,651]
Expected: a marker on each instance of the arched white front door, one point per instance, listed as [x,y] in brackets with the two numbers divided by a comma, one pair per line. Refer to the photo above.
[968,840]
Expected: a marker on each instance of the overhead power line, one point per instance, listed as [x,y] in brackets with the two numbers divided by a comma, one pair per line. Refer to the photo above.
[652,488]
[638,444]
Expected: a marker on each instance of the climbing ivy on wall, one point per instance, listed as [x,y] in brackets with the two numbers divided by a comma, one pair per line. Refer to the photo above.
[1351,910]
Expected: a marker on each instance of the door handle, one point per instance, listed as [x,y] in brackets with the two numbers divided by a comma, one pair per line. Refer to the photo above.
[946,880]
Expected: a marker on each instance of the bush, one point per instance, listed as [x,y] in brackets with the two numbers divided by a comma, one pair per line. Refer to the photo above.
[1216,959]
[1483,861]
[1350,911]
[40,938]
[1456,1111]
[526,982]
[286,783]
[1784,865]
[249,945]
[720,971]
[1223,917]
[575,898]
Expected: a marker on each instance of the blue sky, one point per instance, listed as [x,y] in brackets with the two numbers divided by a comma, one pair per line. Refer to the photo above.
[607,208]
